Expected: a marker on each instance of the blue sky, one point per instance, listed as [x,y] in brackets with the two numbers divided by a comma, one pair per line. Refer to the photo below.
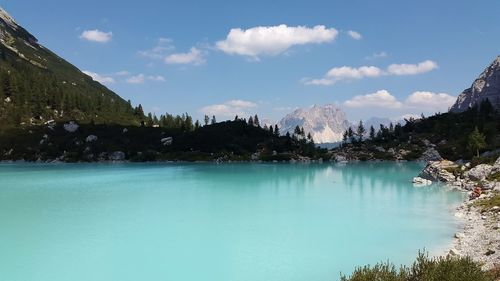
[269,57]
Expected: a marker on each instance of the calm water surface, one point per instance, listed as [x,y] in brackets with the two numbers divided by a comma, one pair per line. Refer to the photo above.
[230,222]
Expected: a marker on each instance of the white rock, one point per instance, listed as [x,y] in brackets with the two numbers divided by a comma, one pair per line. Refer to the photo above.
[91,138]
[117,156]
[421,181]
[167,141]
[71,127]
[480,172]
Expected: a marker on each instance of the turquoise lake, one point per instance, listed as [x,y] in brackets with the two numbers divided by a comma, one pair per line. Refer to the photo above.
[228,222]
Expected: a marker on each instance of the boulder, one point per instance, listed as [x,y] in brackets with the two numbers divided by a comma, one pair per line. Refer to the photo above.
[340,158]
[70,127]
[91,138]
[421,181]
[431,154]
[496,166]
[436,171]
[117,156]
[167,141]
[492,185]
[479,173]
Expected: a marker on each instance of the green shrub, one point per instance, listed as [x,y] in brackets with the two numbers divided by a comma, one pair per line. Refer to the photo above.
[488,203]
[423,269]
[494,177]
[482,160]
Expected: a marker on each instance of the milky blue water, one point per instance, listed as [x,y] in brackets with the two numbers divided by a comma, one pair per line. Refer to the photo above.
[229,222]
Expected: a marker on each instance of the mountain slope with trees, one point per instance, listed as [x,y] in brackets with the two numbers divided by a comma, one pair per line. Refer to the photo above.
[36,85]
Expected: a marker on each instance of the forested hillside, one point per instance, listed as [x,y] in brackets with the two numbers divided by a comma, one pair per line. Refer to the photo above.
[36,85]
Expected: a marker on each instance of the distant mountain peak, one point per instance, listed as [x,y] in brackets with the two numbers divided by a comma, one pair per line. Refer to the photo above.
[325,123]
[486,86]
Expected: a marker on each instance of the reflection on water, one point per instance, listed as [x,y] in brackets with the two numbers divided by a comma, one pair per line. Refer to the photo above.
[131,222]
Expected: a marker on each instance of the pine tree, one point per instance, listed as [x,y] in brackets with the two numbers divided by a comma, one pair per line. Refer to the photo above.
[350,134]
[206,119]
[309,137]
[256,121]
[296,131]
[213,120]
[271,129]
[276,130]
[197,124]
[360,131]
[372,133]
[250,121]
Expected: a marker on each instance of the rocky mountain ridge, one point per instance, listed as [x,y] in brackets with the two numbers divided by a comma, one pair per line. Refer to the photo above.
[486,86]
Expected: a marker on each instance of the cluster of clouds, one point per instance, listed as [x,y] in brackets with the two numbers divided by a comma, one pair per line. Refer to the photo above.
[436,102]
[252,43]
[108,79]
[230,108]
[273,40]
[265,41]
[342,73]
[164,51]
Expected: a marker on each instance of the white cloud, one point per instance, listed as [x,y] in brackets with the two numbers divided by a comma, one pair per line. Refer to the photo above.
[354,35]
[347,72]
[122,73]
[412,69]
[377,55]
[437,101]
[158,52]
[319,82]
[137,79]
[421,101]
[350,73]
[100,78]
[381,98]
[229,108]
[273,40]
[141,79]
[96,36]
[157,78]
[194,56]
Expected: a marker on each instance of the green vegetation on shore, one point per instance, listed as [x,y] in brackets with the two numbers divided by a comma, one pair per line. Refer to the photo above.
[425,269]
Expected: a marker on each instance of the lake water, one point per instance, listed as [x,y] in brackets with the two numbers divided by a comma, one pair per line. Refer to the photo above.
[228,222]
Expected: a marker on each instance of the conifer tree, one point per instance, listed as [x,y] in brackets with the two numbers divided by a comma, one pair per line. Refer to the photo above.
[360,131]
[250,121]
[256,121]
[276,130]
[372,133]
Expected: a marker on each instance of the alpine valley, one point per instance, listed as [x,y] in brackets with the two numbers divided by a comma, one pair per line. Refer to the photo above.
[226,194]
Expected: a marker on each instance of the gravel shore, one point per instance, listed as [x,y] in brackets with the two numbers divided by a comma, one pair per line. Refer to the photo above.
[480,236]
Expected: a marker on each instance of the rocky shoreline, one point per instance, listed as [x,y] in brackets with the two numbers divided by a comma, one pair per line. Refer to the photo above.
[479,237]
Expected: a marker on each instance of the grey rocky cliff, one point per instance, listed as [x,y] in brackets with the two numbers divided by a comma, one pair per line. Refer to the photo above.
[486,86]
